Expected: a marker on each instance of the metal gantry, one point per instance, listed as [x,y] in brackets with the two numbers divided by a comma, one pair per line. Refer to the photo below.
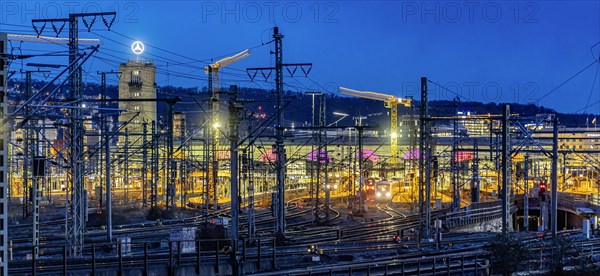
[280,128]
[515,138]
[76,204]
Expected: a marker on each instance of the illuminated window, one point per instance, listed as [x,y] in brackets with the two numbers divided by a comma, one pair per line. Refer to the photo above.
[136,77]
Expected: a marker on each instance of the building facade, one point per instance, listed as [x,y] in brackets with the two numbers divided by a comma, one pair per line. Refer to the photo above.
[138,81]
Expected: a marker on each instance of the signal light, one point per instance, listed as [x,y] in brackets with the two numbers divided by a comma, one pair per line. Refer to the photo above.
[542,193]
[212,221]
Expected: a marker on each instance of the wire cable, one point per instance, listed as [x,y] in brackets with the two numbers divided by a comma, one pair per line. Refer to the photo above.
[565,82]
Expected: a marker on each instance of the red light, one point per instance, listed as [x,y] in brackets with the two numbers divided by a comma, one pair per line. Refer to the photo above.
[211,221]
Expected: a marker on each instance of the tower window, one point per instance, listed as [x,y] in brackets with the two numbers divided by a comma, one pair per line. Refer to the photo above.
[135,78]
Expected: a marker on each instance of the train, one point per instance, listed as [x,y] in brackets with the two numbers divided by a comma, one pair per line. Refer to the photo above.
[380,190]
[370,188]
[384,191]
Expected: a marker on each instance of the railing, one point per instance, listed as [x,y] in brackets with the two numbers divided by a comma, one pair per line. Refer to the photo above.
[567,201]
[480,212]
[121,256]
[451,264]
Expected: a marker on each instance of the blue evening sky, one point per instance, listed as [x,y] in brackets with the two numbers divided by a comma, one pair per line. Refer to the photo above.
[503,51]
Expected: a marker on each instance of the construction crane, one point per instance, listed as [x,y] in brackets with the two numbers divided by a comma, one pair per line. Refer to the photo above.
[390,102]
[213,76]
[212,70]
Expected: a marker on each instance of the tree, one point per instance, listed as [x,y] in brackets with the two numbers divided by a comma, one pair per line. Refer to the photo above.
[507,255]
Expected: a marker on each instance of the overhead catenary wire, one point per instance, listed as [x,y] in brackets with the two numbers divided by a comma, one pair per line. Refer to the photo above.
[448,90]
[592,89]
[566,81]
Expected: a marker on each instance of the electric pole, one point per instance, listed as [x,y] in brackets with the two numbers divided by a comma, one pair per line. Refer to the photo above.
[475,180]
[234,117]
[5,132]
[554,176]
[424,165]
[105,129]
[144,172]
[526,193]
[207,167]
[505,170]
[323,155]
[361,176]
[250,178]
[182,163]
[454,159]
[171,165]
[76,209]
[154,168]
[279,146]
[126,165]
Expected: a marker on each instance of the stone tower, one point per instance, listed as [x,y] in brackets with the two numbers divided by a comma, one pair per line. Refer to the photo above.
[138,81]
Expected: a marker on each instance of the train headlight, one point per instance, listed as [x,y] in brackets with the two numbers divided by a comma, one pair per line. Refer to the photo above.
[388,194]
[378,194]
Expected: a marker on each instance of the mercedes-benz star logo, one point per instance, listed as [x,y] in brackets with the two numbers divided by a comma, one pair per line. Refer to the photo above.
[137,47]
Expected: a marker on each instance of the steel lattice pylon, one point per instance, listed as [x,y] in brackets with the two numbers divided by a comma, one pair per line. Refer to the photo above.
[76,209]
[76,205]
[279,146]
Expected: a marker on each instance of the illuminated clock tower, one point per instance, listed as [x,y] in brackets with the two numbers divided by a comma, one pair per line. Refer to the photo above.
[138,81]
